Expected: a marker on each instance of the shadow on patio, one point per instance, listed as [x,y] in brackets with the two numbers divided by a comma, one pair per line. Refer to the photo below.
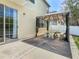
[53,45]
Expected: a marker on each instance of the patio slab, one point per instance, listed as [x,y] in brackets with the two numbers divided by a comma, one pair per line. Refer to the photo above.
[13,50]
[21,50]
[38,53]
[60,47]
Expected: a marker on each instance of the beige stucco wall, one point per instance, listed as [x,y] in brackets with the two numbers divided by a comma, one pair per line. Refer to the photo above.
[26,23]
[33,10]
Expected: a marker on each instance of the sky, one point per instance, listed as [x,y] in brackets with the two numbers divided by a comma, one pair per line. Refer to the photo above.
[55,5]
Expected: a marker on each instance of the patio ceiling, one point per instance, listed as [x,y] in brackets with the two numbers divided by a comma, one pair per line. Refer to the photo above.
[19,2]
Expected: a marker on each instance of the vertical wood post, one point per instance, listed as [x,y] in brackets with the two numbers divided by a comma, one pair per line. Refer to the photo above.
[67,27]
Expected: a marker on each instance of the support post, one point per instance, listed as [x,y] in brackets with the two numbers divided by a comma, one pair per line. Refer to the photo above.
[47,28]
[37,25]
[67,27]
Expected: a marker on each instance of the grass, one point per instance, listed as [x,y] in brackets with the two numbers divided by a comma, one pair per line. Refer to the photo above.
[76,38]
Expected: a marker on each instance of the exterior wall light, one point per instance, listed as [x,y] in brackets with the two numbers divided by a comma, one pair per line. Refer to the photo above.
[24,13]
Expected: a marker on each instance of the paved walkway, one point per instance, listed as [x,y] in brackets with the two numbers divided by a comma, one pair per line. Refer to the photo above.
[20,50]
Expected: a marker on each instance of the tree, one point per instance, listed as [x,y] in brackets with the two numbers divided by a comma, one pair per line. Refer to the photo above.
[73,6]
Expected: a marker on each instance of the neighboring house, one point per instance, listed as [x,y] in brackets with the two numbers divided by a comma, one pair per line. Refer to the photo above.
[18,18]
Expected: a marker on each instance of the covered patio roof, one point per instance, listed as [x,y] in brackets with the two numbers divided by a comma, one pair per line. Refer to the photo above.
[53,16]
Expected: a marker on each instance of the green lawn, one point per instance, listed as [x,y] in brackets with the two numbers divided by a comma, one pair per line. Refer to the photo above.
[76,38]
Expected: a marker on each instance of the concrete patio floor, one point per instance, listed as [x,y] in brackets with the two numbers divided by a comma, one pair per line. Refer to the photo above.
[60,47]
[21,50]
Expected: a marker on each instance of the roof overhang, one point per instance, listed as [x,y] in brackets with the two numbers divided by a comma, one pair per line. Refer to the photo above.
[54,13]
[46,3]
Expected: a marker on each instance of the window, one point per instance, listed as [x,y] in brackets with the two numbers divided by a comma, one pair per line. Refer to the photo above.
[33,1]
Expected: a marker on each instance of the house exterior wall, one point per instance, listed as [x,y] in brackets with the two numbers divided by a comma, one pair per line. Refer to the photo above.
[27,16]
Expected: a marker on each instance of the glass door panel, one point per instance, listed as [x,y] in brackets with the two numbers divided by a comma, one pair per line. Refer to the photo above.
[9,19]
[1,23]
[10,23]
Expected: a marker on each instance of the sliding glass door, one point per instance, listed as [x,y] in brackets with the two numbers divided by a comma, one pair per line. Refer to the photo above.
[8,23]
[1,23]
